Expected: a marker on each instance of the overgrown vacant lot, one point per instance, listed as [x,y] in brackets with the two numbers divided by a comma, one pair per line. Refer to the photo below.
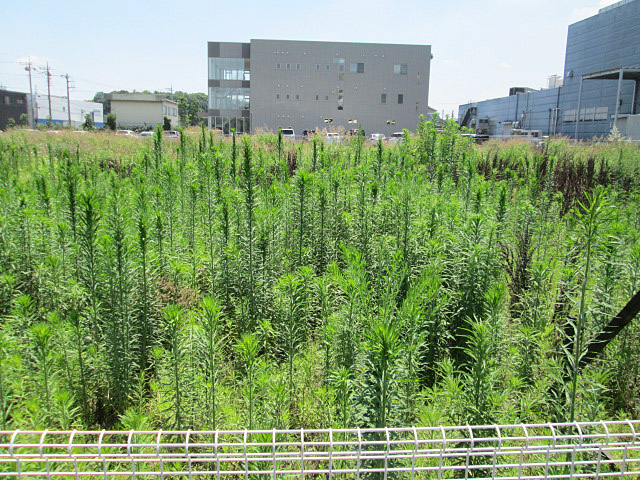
[257,283]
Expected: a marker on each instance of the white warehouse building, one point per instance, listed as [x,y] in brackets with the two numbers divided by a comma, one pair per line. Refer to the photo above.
[60,111]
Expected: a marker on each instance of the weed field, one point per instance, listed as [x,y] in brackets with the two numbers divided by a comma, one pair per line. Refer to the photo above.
[257,283]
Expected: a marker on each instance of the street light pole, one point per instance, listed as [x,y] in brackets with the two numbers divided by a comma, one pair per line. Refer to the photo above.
[31,102]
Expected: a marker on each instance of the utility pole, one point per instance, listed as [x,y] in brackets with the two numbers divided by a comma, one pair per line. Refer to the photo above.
[68,99]
[49,93]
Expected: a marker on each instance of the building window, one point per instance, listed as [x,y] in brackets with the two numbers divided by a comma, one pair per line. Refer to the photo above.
[588,114]
[7,100]
[317,66]
[288,66]
[383,98]
[297,97]
[400,99]
[228,69]
[287,97]
[328,67]
[400,69]
[357,67]
[317,97]
[226,98]
[298,66]
[326,98]
[602,113]
[569,116]
[164,109]
[277,96]
[278,66]
[340,62]
[19,101]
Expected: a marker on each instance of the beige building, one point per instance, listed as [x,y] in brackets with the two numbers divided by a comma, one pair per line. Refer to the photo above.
[143,109]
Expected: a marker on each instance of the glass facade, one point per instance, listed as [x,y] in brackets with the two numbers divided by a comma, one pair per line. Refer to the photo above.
[228,98]
[226,124]
[228,69]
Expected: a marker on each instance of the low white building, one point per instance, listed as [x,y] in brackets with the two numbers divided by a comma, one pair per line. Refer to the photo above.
[143,110]
[60,111]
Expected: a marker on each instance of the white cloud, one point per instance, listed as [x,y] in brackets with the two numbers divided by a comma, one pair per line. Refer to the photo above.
[504,65]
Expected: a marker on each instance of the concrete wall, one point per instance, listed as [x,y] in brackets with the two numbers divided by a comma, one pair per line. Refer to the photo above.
[141,113]
[361,92]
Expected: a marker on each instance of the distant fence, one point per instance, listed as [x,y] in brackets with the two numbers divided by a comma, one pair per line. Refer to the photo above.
[540,451]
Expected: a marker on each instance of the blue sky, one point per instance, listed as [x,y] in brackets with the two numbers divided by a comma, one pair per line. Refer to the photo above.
[481,48]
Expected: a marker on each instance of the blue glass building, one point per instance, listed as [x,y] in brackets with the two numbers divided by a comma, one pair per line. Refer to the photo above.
[601,83]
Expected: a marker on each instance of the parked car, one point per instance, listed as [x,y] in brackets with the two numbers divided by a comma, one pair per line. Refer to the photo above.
[147,134]
[396,137]
[288,133]
[377,136]
[127,133]
[333,137]
[171,134]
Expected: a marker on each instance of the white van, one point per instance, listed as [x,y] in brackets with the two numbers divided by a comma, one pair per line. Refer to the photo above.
[288,133]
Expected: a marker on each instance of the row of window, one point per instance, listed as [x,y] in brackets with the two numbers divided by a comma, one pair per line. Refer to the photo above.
[7,100]
[171,111]
[228,69]
[589,114]
[383,98]
[227,98]
[356,67]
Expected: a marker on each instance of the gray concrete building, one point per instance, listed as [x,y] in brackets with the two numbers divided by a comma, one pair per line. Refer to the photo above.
[600,87]
[271,84]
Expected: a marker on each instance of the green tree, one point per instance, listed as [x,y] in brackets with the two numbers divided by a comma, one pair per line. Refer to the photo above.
[88,122]
[111,121]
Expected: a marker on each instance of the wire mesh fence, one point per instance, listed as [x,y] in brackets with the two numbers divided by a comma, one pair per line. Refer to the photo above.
[535,451]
